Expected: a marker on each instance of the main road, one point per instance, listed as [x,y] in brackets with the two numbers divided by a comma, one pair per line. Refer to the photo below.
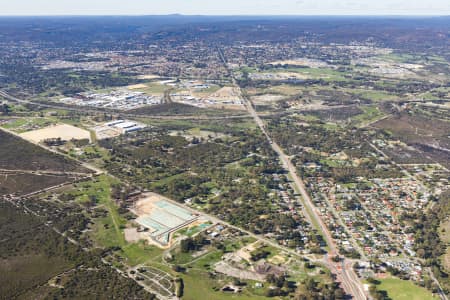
[344,271]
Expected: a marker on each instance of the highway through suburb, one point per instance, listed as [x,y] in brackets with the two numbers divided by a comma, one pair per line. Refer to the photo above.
[343,269]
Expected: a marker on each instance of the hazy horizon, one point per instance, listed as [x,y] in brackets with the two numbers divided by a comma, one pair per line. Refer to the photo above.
[226,8]
[231,16]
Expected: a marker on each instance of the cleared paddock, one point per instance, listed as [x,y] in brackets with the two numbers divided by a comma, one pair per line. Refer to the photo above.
[64,132]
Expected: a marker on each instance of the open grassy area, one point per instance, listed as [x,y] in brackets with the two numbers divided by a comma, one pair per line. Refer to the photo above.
[400,57]
[436,94]
[370,113]
[375,95]
[92,153]
[199,285]
[192,230]
[282,89]
[21,125]
[398,289]
[13,124]
[107,231]
[153,88]
[208,91]
[139,253]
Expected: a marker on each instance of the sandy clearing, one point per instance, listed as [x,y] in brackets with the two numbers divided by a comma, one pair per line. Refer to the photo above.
[264,99]
[137,86]
[279,76]
[226,106]
[312,63]
[225,93]
[146,205]
[106,132]
[63,131]
[277,260]
[148,76]
[287,75]
[245,252]
[224,268]
[132,235]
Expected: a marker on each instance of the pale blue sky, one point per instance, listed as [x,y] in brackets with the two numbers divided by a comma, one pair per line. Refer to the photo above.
[225,7]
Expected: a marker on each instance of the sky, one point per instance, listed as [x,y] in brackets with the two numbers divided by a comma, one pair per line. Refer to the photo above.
[225,7]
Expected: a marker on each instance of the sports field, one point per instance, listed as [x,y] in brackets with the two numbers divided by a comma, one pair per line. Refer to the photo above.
[398,289]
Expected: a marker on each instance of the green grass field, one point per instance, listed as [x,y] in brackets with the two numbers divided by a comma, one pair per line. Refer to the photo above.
[399,57]
[283,89]
[371,113]
[107,231]
[190,231]
[153,88]
[377,95]
[198,285]
[205,92]
[398,289]
[21,125]
[139,253]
